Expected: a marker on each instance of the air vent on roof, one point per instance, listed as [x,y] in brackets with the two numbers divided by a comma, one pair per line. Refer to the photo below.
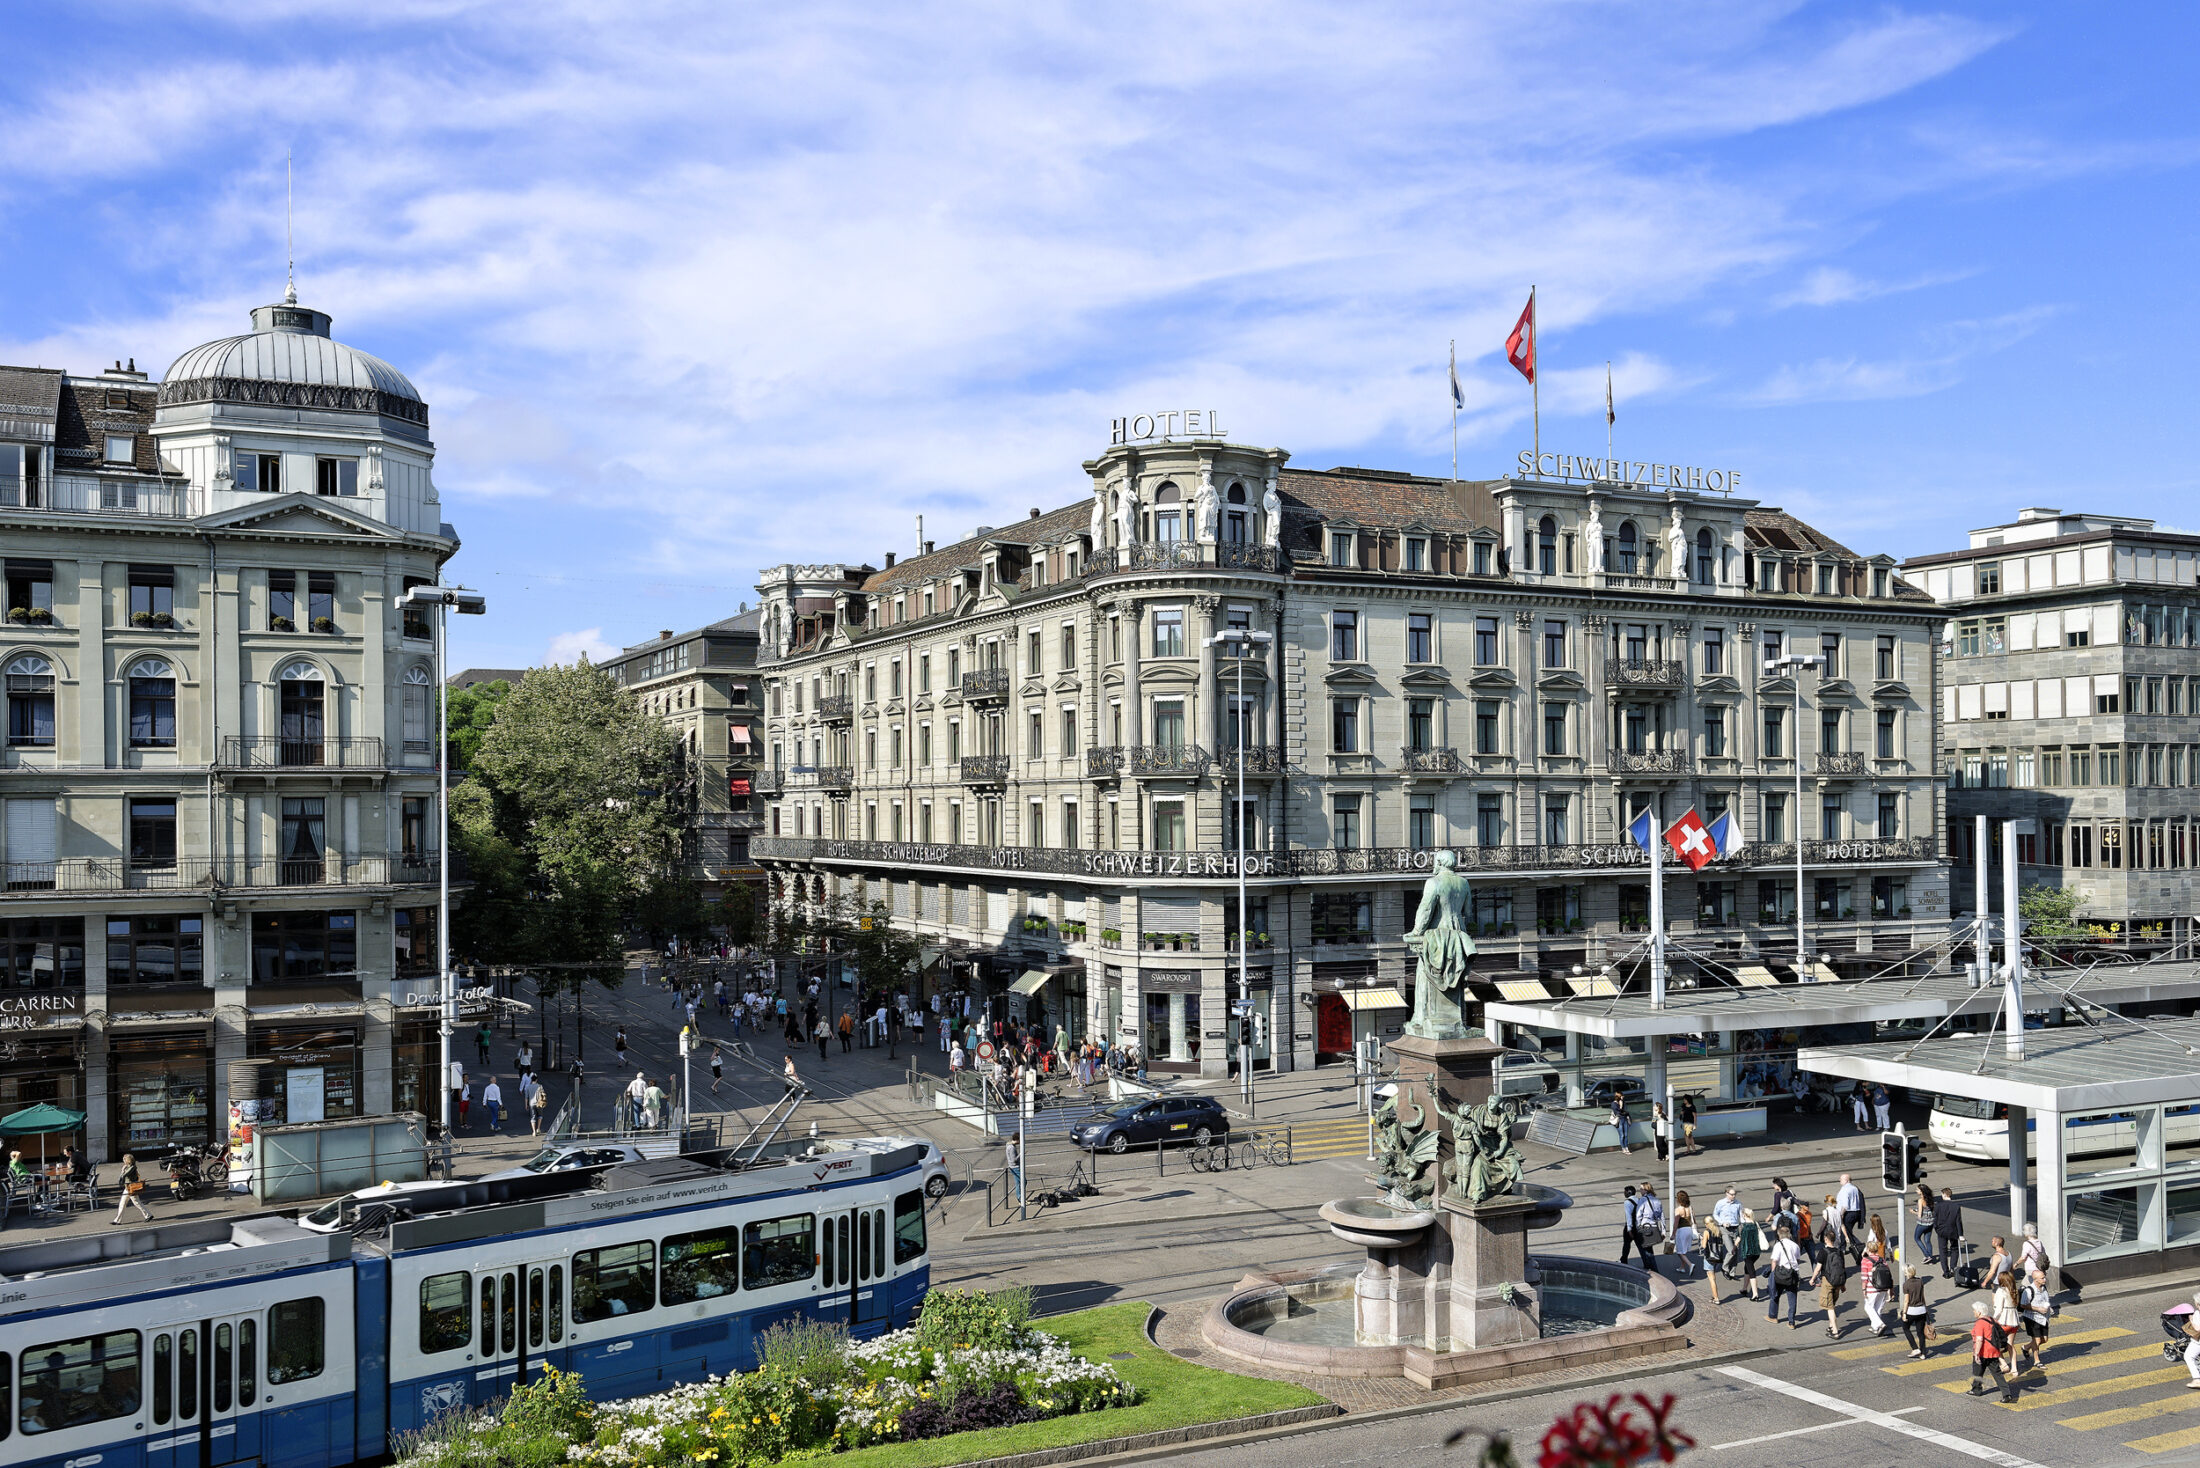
[889,560]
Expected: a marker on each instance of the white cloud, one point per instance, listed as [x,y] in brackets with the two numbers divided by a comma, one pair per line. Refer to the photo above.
[1949,346]
[571,647]
[1830,285]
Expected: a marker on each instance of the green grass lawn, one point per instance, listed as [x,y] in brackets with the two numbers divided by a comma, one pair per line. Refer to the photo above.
[1173,1393]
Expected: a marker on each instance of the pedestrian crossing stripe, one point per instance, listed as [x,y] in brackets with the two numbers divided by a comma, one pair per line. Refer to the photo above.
[2109,1386]
[2167,1442]
[1889,1348]
[1961,1355]
[2053,1396]
[2184,1401]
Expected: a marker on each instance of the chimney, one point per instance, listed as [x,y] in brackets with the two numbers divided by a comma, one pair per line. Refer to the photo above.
[661,636]
[928,547]
[889,560]
[1034,512]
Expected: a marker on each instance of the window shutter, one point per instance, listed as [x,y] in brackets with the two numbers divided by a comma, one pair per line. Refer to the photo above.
[30,833]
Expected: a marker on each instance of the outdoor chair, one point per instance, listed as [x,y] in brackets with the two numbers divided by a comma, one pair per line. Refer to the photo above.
[82,1193]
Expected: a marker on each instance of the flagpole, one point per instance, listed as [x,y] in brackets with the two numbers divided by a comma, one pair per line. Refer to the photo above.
[1535,382]
[1609,415]
[1657,915]
[1452,392]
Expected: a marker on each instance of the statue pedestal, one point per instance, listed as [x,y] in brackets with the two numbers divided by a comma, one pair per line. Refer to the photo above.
[1489,1249]
[1463,1069]
[1403,1294]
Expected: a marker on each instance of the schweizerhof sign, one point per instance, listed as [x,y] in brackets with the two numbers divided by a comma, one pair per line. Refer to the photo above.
[1633,473]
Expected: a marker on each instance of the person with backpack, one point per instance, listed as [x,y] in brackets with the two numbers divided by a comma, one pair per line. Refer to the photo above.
[1831,1275]
[2031,1254]
[2036,1309]
[1878,1289]
[1787,1279]
[1749,1241]
[1988,1342]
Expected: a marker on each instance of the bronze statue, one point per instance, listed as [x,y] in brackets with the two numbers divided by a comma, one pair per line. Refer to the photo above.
[1405,1153]
[1439,939]
[1485,1163]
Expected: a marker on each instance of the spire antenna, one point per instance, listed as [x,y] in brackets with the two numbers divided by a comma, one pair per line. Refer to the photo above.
[290,245]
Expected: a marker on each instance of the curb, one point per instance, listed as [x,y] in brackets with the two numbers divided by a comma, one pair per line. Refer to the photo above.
[1168,1440]
[982,1232]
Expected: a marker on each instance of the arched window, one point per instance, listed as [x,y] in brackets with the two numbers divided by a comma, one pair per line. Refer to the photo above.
[1546,546]
[1706,563]
[415,700]
[1627,548]
[1168,513]
[301,709]
[30,702]
[152,704]
[1237,520]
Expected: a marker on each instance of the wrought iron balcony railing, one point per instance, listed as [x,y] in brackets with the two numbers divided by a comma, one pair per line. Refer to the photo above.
[1169,760]
[287,752]
[985,769]
[836,708]
[1842,764]
[1645,673]
[1443,760]
[1650,762]
[985,683]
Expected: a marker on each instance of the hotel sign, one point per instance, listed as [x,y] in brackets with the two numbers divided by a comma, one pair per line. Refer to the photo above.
[1149,427]
[1633,473]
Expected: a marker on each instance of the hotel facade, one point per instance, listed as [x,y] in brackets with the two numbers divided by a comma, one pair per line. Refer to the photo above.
[1053,748]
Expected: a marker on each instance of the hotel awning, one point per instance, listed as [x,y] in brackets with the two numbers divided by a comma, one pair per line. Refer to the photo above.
[1359,999]
[1031,983]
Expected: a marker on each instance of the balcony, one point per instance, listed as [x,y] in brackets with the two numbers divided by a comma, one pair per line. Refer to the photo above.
[1104,762]
[1441,761]
[83,494]
[1645,673]
[836,708]
[1259,759]
[1650,762]
[1835,853]
[834,777]
[1842,764]
[1178,761]
[985,685]
[985,769]
[769,782]
[282,752]
[84,874]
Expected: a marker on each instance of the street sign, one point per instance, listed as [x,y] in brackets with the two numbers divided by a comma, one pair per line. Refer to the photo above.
[985,1049]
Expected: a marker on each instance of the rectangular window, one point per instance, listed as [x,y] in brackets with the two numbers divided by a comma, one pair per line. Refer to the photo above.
[152,707]
[446,1312]
[1168,723]
[1770,642]
[1554,644]
[1416,555]
[1420,724]
[1344,725]
[1554,728]
[1485,726]
[30,591]
[1340,550]
[163,949]
[618,1280]
[416,617]
[121,448]
[1485,641]
[261,472]
[1484,555]
[1775,726]
[153,832]
[701,1266]
[1554,820]
[321,601]
[1887,664]
[1421,822]
[1890,817]
[1775,821]
[1420,638]
[1035,735]
[1344,826]
[152,596]
[924,672]
[1344,637]
[79,1382]
[1714,650]
[1168,632]
[1829,731]
[1829,818]
[304,945]
[1886,722]
[1829,651]
[1069,825]
[1069,731]
[1714,732]
[336,476]
[1168,825]
[1989,578]
[1069,646]
[1489,819]
[296,1340]
[1033,657]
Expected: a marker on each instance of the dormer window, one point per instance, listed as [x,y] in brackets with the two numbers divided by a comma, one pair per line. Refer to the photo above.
[1482,558]
[928,601]
[1825,581]
[1340,548]
[117,398]
[121,448]
[1879,581]
[1989,578]
[1768,574]
[1416,554]
[262,472]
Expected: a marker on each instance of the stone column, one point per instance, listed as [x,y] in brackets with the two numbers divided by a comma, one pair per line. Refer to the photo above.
[1179,1041]
[1134,717]
[1210,705]
[1596,727]
[1274,665]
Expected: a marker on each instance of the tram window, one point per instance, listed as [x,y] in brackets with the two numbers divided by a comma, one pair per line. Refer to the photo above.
[223,1351]
[908,1228]
[878,1243]
[488,1315]
[1965,1107]
[621,1280]
[187,1374]
[534,1308]
[508,1317]
[164,1364]
[863,1246]
[446,1323]
[295,1331]
[75,1383]
[248,1331]
[557,1303]
[830,1257]
[777,1251]
[7,1389]
[701,1266]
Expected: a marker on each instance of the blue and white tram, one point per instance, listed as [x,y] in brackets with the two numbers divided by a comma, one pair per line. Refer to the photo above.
[1978,1131]
[260,1342]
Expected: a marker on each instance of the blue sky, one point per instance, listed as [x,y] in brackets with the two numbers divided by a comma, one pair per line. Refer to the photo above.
[693,289]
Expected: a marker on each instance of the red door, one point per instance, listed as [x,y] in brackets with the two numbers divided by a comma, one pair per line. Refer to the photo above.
[1332,1025]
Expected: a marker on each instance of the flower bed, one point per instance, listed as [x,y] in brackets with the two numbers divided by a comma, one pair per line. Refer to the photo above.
[970,1362]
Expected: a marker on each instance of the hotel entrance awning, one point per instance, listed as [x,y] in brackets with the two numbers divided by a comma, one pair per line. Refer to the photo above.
[1031,983]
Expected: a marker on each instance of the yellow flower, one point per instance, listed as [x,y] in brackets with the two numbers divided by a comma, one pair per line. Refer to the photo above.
[775,1417]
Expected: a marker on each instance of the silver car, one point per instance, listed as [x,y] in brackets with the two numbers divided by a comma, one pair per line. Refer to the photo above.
[569,1158]
[935,1163]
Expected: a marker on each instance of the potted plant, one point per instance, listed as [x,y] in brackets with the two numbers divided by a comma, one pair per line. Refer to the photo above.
[1508,930]
[152,619]
[31,616]
[324,624]
[1902,912]
[281,624]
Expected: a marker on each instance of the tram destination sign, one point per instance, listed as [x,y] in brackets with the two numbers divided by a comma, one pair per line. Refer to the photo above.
[1628,473]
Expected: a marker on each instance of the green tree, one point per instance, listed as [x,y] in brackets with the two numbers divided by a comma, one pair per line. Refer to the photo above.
[472,713]
[884,955]
[576,806]
[2050,912]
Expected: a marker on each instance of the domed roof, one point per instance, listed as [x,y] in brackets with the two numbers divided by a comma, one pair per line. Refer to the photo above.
[290,360]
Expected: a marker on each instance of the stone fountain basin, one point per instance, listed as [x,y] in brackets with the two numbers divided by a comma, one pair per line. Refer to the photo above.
[1375,1223]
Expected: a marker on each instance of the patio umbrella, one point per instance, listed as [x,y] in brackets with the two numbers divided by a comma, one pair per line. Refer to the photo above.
[40,1119]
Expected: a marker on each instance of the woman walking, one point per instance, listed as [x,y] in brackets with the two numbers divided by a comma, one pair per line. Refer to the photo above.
[131,1187]
[1878,1286]
[1687,1240]
[1915,1312]
[1658,1129]
[1748,1244]
[824,1037]
[1832,1275]
[2003,1309]
[717,1069]
[2036,1309]
[618,1042]
[1923,1232]
[1787,1277]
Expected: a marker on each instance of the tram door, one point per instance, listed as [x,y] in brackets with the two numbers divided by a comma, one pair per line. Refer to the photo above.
[173,1397]
[852,1255]
[520,1314]
[203,1391]
[835,1266]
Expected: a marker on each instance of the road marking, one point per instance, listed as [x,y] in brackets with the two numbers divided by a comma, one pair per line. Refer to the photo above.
[2079,1363]
[1883,1348]
[2085,1391]
[1960,1354]
[2183,1401]
[1799,1431]
[1880,1419]
[2182,1438]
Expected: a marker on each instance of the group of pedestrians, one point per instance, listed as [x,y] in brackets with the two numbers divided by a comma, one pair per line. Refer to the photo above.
[534,1100]
[1841,1248]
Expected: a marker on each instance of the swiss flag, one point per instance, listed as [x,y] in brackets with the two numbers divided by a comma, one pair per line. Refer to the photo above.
[1520,346]
[1691,842]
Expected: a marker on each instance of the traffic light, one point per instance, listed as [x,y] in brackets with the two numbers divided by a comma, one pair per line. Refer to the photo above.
[1914,1172]
[1893,1156]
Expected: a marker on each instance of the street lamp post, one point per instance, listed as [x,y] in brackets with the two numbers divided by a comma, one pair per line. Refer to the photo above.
[1793,664]
[444,599]
[1241,641]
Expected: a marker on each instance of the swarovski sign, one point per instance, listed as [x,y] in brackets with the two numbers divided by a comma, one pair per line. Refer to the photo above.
[1148,427]
[1629,473]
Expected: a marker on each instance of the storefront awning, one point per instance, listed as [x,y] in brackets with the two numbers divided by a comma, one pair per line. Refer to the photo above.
[1523,991]
[1359,999]
[1031,983]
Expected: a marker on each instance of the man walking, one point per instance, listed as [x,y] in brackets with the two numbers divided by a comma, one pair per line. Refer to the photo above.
[1851,1199]
[1627,1239]
[1688,1123]
[1996,1267]
[1948,1229]
[492,1097]
[1727,1214]
[636,1091]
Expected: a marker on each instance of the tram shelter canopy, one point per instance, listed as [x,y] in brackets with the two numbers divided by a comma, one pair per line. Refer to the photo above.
[2095,1105]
